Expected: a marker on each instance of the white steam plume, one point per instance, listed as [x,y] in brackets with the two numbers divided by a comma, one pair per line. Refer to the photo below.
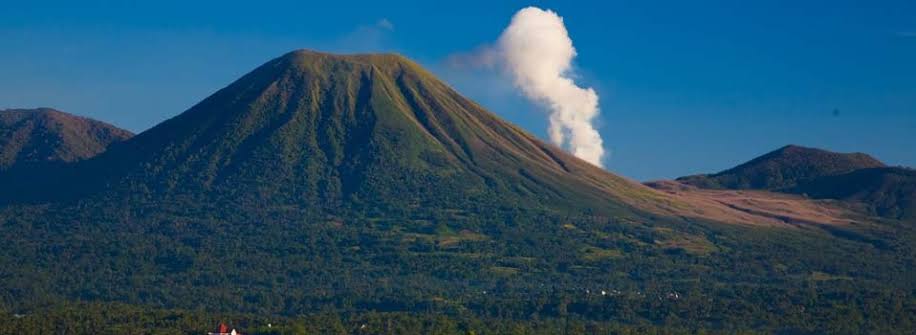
[538,53]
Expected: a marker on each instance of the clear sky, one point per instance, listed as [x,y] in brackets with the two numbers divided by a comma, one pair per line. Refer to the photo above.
[685,86]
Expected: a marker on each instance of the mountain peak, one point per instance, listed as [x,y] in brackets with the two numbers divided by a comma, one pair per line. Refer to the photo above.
[794,148]
[783,168]
[369,58]
[42,135]
[803,150]
[315,61]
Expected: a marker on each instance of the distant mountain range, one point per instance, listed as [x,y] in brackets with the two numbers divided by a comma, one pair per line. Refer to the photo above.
[355,183]
[821,174]
[784,168]
[37,136]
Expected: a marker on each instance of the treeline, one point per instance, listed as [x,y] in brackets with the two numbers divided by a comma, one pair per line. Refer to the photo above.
[102,319]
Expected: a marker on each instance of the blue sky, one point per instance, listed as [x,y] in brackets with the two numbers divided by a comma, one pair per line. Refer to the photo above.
[685,87]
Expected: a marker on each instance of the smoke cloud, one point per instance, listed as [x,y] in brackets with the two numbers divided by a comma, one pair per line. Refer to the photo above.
[537,51]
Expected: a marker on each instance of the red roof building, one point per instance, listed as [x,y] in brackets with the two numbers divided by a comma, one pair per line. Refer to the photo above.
[223,329]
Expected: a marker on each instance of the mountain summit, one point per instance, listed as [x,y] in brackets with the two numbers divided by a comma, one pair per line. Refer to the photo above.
[45,135]
[784,167]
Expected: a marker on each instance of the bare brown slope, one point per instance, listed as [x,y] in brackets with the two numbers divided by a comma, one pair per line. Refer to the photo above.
[756,207]
[35,136]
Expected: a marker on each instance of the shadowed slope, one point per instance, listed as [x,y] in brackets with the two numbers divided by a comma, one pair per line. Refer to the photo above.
[889,192]
[39,149]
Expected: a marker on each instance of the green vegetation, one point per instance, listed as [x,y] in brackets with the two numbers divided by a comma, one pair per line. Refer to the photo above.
[123,319]
[528,269]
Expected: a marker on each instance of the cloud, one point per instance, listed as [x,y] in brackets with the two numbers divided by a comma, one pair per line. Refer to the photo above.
[483,57]
[375,37]
[537,52]
[384,23]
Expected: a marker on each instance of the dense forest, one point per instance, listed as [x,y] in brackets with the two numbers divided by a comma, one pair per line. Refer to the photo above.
[513,266]
[121,319]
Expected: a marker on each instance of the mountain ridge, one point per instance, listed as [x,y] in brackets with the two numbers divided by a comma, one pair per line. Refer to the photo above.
[783,168]
[46,135]
[854,178]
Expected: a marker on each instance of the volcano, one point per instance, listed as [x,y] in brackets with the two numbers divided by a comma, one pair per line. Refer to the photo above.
[370,132]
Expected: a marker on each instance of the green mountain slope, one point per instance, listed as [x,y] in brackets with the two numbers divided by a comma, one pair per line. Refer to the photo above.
[783,168]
